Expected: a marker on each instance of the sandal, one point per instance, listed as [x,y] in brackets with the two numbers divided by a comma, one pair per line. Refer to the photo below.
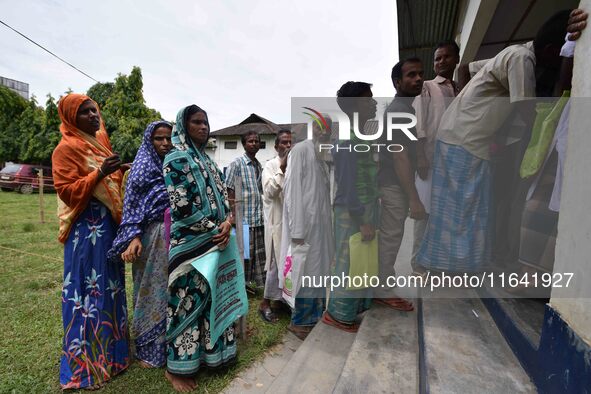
[268,315]
[329,320]
[300,332]
[400,304]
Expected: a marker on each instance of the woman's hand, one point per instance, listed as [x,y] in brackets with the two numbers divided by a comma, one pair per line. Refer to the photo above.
[222,238]
[133,251]
[110,165]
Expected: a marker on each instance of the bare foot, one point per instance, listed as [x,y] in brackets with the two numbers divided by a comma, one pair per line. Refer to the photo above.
[97,386]
[181,384]
[144,364]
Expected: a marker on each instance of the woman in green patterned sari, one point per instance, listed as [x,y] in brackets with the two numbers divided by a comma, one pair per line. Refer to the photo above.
[200,221]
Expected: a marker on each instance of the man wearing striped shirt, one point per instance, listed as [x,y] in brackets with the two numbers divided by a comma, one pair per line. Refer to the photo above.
[249,170]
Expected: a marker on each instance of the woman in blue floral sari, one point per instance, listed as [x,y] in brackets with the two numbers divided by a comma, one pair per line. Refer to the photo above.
[200,221]
[87,179]
[140,241]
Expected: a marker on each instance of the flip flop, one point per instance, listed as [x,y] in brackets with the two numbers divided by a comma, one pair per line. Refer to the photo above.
[268,315]
[329,320]
[400,304]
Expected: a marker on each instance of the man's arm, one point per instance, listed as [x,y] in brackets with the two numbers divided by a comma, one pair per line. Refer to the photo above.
[232,201]
[405,175]
[273,179]
[421,105]
[463,75]
[467,71]
[230,178]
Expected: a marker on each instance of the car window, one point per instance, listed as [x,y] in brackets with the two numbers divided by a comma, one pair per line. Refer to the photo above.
[11,168]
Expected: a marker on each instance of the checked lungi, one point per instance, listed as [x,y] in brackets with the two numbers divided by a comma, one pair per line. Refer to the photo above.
[458,236]
[255,269]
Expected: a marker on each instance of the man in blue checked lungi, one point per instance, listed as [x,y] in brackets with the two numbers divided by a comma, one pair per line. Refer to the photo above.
[249,169]
[459,236]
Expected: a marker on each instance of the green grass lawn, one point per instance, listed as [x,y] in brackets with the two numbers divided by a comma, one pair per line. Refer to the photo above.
[31,274]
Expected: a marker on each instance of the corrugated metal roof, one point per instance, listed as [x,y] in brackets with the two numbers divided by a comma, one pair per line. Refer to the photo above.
[422,24]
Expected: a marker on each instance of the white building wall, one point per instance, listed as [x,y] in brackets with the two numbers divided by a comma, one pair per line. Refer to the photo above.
[573,246]
[223,157]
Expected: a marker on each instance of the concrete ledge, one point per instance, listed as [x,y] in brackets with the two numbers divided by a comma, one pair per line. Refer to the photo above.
[317,364]
[383,357]
[466,353]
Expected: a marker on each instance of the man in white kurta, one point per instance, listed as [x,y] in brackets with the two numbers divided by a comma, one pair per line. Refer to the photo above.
[307,229]
[272,179]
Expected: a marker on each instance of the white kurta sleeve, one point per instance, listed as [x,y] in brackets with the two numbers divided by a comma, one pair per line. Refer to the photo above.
[273,179]
[294,194]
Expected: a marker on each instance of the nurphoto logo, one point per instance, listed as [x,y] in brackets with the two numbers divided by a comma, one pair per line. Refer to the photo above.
[394,122]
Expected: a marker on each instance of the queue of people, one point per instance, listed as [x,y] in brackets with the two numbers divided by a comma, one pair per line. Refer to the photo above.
[178,206]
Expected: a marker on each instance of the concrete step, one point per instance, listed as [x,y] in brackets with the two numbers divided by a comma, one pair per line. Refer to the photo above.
[384,355]
[259,377]
[464,351]
[317,364]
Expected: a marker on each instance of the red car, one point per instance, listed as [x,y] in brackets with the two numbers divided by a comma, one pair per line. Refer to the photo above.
[24,178]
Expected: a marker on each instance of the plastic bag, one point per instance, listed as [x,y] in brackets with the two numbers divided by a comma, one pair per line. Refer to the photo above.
[547,118]
[224,273]
[295,261]
[363,260]
[287,291]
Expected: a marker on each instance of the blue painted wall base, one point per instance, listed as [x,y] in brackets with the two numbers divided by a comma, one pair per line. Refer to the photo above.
[562,361]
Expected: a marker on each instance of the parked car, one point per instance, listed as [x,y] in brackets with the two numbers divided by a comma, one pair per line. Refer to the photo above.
[24,178]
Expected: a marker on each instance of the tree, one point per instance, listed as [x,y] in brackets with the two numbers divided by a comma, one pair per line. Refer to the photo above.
[32,134]
[29,133]
[125,113]
[100,92]
[51,131]
[11,107]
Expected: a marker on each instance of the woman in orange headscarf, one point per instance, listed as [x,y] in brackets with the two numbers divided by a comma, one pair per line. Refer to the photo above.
[87,179]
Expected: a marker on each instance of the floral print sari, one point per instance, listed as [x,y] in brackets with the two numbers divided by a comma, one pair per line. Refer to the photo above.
[198,204]
[94,313]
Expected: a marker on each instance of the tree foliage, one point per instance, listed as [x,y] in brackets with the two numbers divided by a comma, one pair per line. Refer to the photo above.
[29,133]
[100,92]
[11,107]
[31,130]
[124,111]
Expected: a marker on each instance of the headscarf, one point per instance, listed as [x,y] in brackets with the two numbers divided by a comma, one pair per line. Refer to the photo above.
[190,162]
[145,193]
[180,137]
[76,161]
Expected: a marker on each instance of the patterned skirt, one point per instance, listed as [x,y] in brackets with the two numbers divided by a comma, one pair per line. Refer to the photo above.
[344,305]
[188,336]
[458,236]
[150,297]
[94,311]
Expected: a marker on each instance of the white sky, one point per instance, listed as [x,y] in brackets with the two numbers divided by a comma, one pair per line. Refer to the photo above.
[232,58]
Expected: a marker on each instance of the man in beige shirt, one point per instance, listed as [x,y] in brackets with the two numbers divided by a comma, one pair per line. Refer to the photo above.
[435,97]
[458,236]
